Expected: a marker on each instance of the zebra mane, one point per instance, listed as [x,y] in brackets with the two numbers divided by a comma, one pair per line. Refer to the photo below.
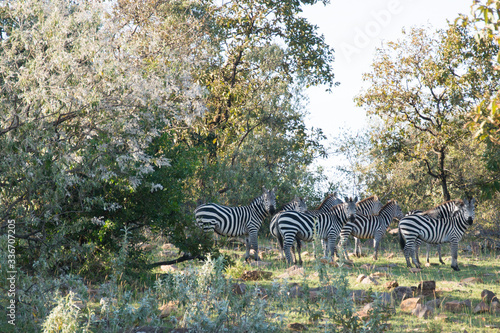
[373,197]
[326,199]
[390,202]
[440,211]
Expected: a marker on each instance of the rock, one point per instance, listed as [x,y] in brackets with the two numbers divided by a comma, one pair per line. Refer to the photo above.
[415,270]
[426,286]
[456,306]
[495,307]
[422,311]
[435,303]
[409,304]
[239,288]
[385,299]
[363,315]
[402,292]
[441,317]
[168,309]
[367,267]
[295,291]
[390,255]
[296,327]
[488,296]
[472,280]
[370,280]
[255,275]
[292,271]
[359,296]
[391,284]
[368,307]
[379,275]
[360,278]
[481,308]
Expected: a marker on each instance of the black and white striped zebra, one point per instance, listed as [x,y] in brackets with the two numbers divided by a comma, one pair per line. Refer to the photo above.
[367,206]
[370,226]
[428,250]
[330,201]
[238,221]
[304,225]
[444,224]
[296,204]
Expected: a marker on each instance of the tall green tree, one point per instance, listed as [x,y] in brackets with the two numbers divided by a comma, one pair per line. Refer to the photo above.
[423,88]
[254,129]
[85,96]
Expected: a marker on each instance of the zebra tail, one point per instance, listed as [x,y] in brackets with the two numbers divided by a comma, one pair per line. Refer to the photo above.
[402,240]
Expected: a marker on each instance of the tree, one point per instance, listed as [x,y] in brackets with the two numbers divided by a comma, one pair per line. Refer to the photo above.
[85,95]
[424,87]
[254,129]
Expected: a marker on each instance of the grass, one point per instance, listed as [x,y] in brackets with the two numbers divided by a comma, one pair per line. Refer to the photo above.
[201,295]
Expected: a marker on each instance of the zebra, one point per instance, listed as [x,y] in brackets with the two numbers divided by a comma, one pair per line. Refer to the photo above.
[367,206]
[238,221]
[370,226]
[330,201]
[304,225]
[419,241]
[296,204]
[444,224]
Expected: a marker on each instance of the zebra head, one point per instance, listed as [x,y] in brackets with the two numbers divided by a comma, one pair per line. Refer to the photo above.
[399,212]
[299,204]
[350,208]
[468,210]
[269,200]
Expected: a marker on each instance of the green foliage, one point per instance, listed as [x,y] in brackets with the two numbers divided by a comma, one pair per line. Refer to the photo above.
[423,88]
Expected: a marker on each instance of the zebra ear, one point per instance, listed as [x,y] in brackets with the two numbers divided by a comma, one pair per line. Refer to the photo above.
[356,199]
[346,199]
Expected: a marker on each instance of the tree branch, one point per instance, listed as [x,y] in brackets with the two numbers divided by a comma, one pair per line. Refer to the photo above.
[178,260]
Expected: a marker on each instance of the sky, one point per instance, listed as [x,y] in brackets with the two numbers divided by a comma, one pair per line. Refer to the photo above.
[354,32]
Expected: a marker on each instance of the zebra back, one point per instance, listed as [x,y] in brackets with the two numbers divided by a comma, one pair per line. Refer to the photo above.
[369,206]
[330,201]
[297,204]
[444,210]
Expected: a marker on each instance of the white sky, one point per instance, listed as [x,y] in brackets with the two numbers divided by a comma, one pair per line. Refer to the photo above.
[355,29]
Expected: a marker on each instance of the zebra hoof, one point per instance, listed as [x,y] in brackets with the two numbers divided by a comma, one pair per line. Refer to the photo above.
[455,268]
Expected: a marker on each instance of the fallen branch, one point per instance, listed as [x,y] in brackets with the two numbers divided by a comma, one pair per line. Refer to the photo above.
[178,260]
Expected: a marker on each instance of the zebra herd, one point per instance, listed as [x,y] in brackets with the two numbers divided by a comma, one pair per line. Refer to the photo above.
[365,219]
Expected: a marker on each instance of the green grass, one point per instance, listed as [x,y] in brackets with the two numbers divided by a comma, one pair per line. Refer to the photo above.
[205,293]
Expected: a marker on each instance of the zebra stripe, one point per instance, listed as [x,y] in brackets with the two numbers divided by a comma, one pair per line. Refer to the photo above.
[238,221]
[428,250]
[444,224]
[330,201]
[368,206]
[370,226]
[296,204]
[304,225]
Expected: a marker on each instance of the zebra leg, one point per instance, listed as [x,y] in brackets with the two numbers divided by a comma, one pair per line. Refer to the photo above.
[324,245]
[357,247]
[418,242]
[255,245]
[454,255]
[439,254]
[376,244]
[342,250]
[287,244]
[247,253]
[299,249]
[428,252]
